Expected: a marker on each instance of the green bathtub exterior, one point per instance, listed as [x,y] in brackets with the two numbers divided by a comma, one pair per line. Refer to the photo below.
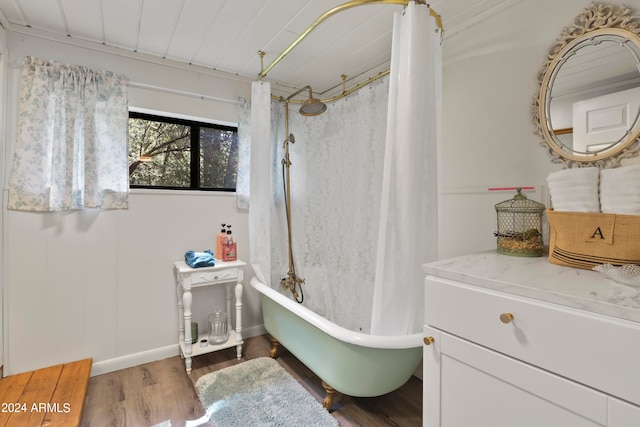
[352,363]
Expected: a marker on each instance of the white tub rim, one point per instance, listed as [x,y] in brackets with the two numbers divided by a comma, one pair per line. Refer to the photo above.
[337,331]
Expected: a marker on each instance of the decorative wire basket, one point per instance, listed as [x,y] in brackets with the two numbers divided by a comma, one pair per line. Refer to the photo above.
[520,226]
[628,274]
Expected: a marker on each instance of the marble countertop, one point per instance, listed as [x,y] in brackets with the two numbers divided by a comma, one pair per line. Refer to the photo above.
[539,279]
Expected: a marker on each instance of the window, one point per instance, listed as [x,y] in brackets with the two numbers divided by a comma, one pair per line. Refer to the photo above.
[174,153]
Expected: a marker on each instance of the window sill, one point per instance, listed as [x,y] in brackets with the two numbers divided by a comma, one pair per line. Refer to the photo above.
[165,192]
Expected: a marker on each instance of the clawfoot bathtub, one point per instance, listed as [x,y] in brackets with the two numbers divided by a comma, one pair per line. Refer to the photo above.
[352,363]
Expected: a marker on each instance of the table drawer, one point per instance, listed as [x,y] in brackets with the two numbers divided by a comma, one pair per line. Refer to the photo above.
[210,277]
[599,351]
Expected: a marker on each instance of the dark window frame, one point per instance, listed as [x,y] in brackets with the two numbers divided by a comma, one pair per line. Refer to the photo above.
[194,181]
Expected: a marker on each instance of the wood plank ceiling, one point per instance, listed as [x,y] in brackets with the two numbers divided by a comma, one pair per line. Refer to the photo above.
[226,35]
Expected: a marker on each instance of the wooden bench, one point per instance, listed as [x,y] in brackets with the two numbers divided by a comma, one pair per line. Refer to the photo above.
[52,396]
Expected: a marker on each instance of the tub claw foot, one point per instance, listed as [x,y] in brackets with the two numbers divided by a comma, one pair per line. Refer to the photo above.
[274,350]
[327,402]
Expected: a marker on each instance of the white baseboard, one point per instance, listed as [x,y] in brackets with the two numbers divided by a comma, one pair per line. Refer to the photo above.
[135,359]
[129,360]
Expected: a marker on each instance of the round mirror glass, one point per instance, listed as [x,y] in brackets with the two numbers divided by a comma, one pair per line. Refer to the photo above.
[588,106]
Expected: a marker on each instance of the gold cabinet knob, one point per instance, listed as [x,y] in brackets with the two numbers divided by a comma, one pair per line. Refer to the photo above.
[428,340]
[506,317]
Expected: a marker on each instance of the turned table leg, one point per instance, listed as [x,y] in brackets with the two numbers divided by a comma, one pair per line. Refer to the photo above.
[188,347]
[238,291]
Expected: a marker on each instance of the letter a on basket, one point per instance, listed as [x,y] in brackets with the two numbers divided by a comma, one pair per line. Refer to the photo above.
[597,234]
[599,229]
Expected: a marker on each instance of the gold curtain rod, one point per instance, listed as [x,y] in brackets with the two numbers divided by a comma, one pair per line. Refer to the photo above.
[326,15]
[345,92]
[335,10]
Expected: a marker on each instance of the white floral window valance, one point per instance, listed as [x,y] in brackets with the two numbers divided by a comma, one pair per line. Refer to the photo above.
[71,146]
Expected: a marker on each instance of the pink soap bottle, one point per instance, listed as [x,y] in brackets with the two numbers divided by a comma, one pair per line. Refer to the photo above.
[229,247]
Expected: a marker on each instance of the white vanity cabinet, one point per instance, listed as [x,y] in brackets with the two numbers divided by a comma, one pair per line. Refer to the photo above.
[520,342]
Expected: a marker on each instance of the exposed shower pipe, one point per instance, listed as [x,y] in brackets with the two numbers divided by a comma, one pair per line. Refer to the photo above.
[310,107]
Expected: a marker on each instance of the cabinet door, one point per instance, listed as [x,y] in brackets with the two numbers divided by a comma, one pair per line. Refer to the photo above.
[595,350]
[431,356]
[469,385]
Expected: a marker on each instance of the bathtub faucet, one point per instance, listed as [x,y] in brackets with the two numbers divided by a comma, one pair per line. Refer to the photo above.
[292,283]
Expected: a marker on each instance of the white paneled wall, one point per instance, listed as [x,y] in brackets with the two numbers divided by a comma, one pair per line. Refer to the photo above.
[100,284]
[489,81]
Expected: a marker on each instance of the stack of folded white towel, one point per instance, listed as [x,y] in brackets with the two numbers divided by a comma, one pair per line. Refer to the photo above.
[590,189]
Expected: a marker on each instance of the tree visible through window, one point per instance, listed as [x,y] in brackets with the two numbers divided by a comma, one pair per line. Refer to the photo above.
[174,153]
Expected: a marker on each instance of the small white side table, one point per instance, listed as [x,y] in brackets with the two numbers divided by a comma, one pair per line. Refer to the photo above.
[223,273]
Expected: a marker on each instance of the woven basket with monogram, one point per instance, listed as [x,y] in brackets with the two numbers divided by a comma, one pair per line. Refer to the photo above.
[584,240]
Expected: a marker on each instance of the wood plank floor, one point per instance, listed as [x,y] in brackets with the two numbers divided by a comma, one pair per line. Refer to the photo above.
[162,391]
[52,396]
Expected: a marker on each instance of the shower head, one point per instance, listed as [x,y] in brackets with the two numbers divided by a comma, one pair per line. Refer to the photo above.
[313,107]
[310,107]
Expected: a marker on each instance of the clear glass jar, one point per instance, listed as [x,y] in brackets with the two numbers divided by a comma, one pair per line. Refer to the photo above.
[218,330]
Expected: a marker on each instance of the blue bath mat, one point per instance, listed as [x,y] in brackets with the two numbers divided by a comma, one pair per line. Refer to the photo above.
[259,392]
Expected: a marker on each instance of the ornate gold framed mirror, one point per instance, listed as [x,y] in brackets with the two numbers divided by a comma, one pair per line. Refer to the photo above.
[587,109]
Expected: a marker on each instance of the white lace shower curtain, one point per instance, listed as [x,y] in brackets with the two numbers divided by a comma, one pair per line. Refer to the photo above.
[71,147]
[408,234]
[348,167]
